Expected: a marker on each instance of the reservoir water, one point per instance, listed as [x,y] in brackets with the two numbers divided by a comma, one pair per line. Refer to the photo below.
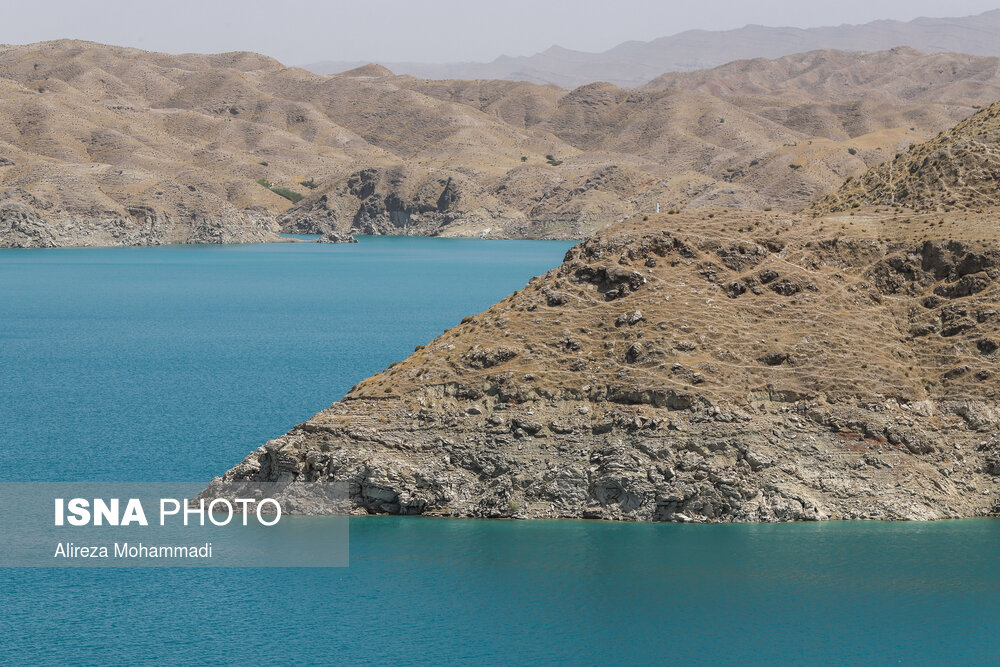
[172,363]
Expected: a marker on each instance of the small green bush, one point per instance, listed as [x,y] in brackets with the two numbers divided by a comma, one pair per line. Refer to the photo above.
[290,195]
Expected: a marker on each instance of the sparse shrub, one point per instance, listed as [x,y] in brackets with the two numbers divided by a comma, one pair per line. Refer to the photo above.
[290,195]
[768,209]
[645,218]
[852,151]
[794,166]
[524,158]
[263,164]
[311,184]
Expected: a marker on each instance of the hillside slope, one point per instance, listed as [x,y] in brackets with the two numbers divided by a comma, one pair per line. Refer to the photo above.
[752,134]
[103,145]
[712,366]
[959,168]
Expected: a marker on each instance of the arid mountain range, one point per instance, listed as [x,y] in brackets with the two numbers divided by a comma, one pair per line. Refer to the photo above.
[103,145]
[634,63]
[707,366]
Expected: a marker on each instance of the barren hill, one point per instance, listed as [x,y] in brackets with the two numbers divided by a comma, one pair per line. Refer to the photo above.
[105,145]
[959,168]
[752,134]
[706,366]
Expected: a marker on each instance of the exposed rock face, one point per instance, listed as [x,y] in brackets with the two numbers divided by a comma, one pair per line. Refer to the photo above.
[401,200]
[713,367]
[47,226]
[336,237]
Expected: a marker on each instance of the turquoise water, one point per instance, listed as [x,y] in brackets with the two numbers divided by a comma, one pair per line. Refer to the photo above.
[172,363]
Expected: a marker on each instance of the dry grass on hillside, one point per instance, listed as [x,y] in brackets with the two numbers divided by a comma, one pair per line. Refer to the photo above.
[733,306]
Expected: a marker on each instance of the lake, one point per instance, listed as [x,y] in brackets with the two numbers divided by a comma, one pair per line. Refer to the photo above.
[172,363]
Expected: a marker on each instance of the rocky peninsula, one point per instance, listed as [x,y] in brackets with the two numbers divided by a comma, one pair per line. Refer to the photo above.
[710,366]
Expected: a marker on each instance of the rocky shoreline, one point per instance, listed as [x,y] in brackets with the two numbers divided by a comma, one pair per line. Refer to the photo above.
[22,226]
[680,370]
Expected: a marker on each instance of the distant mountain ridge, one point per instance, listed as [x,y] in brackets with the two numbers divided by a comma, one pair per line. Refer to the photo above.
[103,145]
[635,63]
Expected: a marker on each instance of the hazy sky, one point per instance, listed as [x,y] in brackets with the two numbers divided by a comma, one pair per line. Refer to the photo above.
[298,32]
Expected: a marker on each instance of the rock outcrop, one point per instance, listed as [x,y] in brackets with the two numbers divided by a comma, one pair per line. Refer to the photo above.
[28,222]
[401,200]
[709,367]
[336,237]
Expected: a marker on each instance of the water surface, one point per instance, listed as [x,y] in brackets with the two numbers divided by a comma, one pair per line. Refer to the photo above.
[172,363]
